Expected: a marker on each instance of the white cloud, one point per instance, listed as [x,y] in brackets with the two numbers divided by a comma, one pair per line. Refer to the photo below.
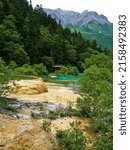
[105,7]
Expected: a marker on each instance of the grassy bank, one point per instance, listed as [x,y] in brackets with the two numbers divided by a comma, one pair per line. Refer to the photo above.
[18,77]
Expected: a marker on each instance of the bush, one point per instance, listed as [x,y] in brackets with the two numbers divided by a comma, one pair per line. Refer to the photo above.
[96,89]
[72,71]
[19,55]
[67,70]
[12,65]
[25,70]
[4,72]
[104,141]
[73,138]
[3,67]
[84,107]
[53,115]
[100,61]
[46,125]
[40,69]
[37,69]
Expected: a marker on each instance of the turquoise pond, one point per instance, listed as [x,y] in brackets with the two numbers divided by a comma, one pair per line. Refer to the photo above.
[67,80]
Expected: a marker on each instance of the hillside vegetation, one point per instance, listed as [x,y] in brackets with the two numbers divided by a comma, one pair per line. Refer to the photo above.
[91,25]
[31,43]
[30,36]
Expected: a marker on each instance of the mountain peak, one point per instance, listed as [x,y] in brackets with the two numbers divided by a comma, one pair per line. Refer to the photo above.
[76,18]
[59,9]
[85,11]
[89,12]
[103,17]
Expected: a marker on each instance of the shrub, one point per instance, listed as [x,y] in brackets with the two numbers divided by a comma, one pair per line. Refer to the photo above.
[25,70]
[67,70]
[53,115]
[46,125]
[37,69]
[3,67]
[4,72]
[96,89]
[72,139]
[72,71]
[40,69]
[12,65]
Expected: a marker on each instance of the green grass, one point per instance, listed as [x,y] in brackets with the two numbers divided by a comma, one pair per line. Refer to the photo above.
[24,77]
[18,77]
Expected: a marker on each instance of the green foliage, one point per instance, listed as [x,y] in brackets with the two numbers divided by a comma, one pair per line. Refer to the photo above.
[29,36]
[47,61]
[8,22]
[101,33]
[100,60]
[72,139]
[4,72]
[3,67]
[98,79]
[103,40]
[12,65]
[69,112]
[37,69]
[20,56]
[46,125]
[84,106]
[67,70]
[105,141]
[96,89]
[40,69]
[25,70]
[4,78]
[11,47]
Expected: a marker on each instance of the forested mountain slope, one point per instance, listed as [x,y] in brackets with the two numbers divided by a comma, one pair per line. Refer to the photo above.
[92,25]
[29,35]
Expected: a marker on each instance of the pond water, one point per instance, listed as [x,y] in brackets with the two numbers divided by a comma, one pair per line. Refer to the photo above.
[67,77]
[67,80]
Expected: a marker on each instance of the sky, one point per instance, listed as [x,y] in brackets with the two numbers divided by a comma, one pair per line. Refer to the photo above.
[104,7]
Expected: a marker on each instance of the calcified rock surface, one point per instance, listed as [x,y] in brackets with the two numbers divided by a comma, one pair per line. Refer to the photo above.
[26,134]
[22,131]
[28,87]
[57,93]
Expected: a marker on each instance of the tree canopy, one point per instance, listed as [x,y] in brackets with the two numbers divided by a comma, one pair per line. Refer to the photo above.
[31,36]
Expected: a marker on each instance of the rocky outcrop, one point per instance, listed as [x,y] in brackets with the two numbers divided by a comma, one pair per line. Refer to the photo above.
[29,134]
[75,18]
[28,87]
[18,134]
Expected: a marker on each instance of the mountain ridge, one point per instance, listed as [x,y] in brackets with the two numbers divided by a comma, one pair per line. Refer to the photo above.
[92,25]
[68,16]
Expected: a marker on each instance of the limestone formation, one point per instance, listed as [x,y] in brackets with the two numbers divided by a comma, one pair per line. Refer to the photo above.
[28,87]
